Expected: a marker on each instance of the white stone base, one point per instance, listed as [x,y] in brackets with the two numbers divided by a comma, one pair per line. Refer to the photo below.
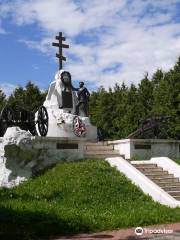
[21,154]
[57,149]
[146,148]
[61,125]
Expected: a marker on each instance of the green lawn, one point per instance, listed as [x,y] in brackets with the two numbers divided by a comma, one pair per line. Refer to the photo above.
[77,197]
[177,161]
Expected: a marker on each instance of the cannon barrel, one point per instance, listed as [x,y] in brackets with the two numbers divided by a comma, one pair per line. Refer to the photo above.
[17,116]
[149,124]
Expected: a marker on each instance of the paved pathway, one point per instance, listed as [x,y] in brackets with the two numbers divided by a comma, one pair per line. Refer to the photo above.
[170,232]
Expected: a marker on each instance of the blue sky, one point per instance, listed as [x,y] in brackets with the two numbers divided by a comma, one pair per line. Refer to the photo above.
[110,41]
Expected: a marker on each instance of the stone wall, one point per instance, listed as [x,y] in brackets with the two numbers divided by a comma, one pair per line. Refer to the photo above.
[147,148]
[22,155]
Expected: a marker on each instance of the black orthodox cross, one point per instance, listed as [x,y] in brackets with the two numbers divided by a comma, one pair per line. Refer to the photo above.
[60,45]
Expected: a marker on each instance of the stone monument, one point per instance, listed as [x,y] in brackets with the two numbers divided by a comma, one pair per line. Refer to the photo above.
[61,116]
[57,131]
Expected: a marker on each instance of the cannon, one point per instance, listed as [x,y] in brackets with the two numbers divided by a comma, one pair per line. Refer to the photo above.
[150,127]
[20,117]
[16,116]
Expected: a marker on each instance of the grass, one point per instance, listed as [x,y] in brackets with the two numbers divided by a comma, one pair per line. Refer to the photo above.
[177,161]
[75,197]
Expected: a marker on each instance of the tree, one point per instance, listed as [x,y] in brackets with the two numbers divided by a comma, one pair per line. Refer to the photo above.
[134,110]
[167,100]
[2,99]
[117,111]
[29,98]
[146,97]
[157,77]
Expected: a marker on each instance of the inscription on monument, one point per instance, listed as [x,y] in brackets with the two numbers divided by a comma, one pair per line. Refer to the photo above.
[142,146]
[67,99]
[66,146]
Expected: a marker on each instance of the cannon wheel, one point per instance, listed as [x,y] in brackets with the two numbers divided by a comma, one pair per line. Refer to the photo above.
[6,119]
[43,121]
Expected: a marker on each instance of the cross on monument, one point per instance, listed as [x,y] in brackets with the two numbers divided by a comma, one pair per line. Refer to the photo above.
[60,45]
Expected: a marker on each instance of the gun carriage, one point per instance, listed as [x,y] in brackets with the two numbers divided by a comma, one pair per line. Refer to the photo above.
[18,116]
[151,128]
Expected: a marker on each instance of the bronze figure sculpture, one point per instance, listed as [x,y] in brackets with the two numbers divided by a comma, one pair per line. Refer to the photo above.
[83,97]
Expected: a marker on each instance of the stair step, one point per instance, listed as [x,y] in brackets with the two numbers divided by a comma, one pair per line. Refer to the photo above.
[177,197]
[171,188]
[165,180]
[160,174]
[101,152]
[144,165]
[101,156]
[156,169]
[157,177]
[98,147]
[166,184]
[174,193]
[154,172]
[96,144]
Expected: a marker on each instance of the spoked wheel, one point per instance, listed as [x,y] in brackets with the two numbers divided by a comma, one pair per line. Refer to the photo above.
[79,127]
[43,121]
[6,119]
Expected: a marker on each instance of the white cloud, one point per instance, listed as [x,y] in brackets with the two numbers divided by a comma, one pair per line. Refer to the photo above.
[42,46]
[136,36]
[50,15]
[7,88]
[2,30]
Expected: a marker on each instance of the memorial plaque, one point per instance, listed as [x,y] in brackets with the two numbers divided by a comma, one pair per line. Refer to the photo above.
[142,146]
[66,146]
[67,99]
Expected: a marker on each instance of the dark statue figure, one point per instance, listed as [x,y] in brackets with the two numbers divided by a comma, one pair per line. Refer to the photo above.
[66,79]
[83,96]
[67,91]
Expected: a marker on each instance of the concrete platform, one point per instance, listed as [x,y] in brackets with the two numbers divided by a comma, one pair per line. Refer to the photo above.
[147,148]
[22,155]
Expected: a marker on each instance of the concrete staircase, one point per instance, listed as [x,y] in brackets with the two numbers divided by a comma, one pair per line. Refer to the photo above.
[100,150]
[162,178]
